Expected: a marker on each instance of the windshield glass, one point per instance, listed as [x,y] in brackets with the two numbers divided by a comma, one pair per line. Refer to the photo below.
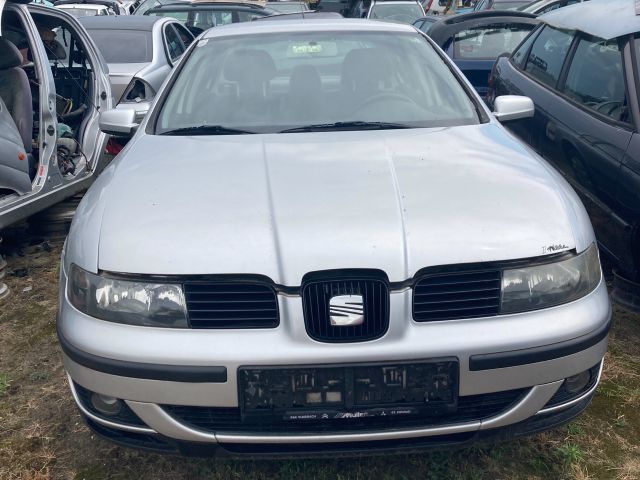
[84,12]
[123,46]
[272,82]
[399,12]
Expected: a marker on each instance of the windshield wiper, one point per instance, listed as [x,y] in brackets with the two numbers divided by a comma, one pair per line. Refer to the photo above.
[206,130]
[355,125]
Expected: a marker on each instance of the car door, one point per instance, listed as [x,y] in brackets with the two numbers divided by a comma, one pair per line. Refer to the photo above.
[475,47]
[590,128]
[629,185]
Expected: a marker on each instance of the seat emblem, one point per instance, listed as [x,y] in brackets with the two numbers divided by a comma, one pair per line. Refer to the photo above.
[346,310]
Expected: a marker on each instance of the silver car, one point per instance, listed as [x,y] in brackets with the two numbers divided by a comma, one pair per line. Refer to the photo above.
[319,239]
[140,52]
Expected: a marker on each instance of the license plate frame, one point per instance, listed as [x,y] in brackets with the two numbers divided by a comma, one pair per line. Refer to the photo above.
[353,404]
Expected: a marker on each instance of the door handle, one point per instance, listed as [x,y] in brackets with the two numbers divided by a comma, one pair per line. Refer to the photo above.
[552,130]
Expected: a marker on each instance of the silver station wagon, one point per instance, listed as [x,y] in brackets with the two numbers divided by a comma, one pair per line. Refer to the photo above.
[320,240]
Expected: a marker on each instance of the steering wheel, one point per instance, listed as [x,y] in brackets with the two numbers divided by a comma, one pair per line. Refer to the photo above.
[384,97]
[607,107]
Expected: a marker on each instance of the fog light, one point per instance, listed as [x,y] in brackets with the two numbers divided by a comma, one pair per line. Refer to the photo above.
[578,382]
[106,404]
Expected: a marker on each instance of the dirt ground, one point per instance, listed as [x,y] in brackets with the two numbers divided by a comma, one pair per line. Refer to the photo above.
[42,436]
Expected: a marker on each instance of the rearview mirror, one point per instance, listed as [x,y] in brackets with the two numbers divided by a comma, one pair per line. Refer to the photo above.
[119,122]
[513,107]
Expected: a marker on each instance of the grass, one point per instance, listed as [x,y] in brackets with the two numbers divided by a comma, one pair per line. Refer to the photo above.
[43,437]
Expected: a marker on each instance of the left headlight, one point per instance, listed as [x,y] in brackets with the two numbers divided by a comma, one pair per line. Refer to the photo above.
[544,286]
[124,301]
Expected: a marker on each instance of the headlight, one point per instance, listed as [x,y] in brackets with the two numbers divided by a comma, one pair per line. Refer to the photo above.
[124,301]
[547,285]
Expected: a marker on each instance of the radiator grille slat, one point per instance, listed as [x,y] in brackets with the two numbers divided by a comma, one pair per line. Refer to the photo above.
[316,296]
[453,295]
[231,305]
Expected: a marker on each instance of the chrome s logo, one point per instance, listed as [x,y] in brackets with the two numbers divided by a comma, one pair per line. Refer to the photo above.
[346,310]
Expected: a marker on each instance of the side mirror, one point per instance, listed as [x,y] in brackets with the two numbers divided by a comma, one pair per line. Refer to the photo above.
[513,107]
[119,122]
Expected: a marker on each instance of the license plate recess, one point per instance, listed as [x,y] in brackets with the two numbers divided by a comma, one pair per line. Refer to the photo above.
[313,393]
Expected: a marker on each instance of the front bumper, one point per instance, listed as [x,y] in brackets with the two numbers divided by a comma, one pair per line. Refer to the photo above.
[150,368]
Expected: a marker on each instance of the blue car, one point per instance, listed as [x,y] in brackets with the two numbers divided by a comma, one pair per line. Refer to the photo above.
[475,40]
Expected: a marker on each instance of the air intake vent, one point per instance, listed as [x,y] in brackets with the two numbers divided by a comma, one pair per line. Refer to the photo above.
[362,315]
[445,296]
[231,305]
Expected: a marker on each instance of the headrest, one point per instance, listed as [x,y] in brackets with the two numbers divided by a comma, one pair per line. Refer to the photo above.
[372,64]
[10,56]
[249,64]
[305,80]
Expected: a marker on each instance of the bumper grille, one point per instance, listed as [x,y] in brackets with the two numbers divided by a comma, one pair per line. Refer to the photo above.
[231,305]
[470,408]
[316,296]
[452,295]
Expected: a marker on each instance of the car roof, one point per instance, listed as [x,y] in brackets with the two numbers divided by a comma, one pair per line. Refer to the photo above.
[605,19]
[120,22]
[293,26]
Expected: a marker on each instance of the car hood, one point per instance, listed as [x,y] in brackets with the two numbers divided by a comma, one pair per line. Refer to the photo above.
[283,205]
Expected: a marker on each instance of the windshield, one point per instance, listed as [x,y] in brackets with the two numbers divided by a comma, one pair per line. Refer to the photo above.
[273,82]
[123,46]
[203,18]
[85,12]
[398,12]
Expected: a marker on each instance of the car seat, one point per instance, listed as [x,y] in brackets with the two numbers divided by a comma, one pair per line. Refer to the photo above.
[365,73]
[305,100]
[251,70]
[15,91]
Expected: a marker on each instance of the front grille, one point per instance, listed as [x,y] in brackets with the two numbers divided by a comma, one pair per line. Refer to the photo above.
[231,305]
[470,408]
[452,295]
[316,296]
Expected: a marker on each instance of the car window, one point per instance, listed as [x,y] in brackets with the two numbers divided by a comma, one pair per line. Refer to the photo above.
[596,78]
[508,5]
[548,55]
[185,34]
[175,47]
[548,8]
[489,41]
[519,57]
[146,6]
[262,83]
[123,46]
[398,12]
[178,15]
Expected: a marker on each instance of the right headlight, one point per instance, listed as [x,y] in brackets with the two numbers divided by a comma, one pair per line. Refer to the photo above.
[127,301]
[543,286]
